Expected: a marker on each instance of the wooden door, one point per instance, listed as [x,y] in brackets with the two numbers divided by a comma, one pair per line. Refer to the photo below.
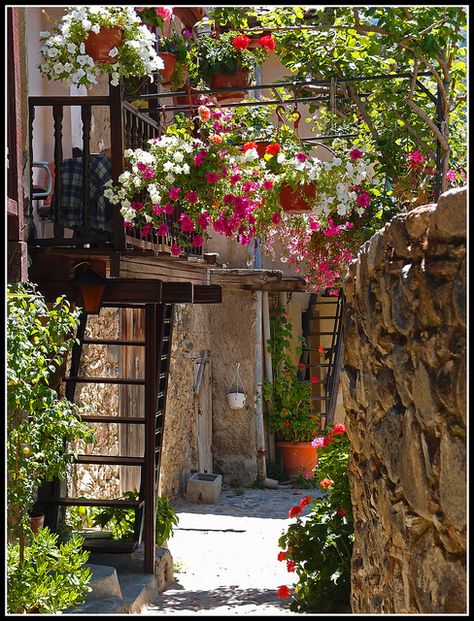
[203,412]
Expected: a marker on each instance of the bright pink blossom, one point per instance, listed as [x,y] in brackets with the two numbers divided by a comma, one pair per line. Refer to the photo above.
[451,176]
[363,200]
[174,193]
[415,158]
[162,229]
[197,241]
[339,429]
[176,250]
[318,441]
[276,217]
[165,12]
[204,113]
[191,197]
[212,177]
[157,209]
[355,154]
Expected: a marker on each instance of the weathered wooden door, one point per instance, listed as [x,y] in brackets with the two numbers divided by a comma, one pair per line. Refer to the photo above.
[203,412]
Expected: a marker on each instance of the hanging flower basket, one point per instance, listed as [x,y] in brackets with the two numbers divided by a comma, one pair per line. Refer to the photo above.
[240,78]
[236,400]
[169,60]
[98,45]
[236,395]
[293,200]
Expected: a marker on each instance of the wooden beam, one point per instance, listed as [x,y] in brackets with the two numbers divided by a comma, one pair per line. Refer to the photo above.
[256,280]
[178,292]
[120,291]
[207,294]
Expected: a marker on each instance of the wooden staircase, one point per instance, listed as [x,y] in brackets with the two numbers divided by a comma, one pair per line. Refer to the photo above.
[157,344]
[322,353]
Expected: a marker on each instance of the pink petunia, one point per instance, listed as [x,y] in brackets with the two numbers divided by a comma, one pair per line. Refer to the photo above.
[212,177]
[162,229]
[176,250]
[165,12]
[192,197]
[355,154]
[168,209]
[174,193]
[197,241]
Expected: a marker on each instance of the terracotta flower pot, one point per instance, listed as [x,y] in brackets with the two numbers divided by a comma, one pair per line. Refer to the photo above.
[169,60]
[299,458]
[240,78]
[98,45]
[291,200]
[36,521]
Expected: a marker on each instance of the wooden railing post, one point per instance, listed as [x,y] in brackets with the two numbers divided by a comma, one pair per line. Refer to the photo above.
[117,147]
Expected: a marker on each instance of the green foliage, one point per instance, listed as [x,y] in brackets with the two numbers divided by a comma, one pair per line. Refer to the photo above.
[178,45]
[370,41]
[121,521]
[211,55]
[320,544]
[289,398]
[51,578]
[39,423]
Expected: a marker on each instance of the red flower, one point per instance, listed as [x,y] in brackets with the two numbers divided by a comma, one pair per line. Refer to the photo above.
[363,200]
[314,380]
[339,429]
[268,42]
[249,145]
[276,218]
[282,556]
[287,423]
[294,511]
[290,565]
[328,440]
[284,592]
[325,483]
[241,42]
[321,349]
[341,512]
[305,501]
[273,149]
[415,158]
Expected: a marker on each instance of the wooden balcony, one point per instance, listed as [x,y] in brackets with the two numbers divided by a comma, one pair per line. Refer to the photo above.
[79,216]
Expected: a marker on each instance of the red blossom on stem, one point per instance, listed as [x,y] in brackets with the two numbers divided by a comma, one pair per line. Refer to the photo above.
[295,511]
[283,592]
[282,556]
[241,42]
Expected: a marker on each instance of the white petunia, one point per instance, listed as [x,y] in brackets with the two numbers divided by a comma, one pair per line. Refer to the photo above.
[95,28]
[113,52]
[71,48]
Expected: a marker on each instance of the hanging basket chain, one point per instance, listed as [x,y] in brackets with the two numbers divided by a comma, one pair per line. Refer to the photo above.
[236,384]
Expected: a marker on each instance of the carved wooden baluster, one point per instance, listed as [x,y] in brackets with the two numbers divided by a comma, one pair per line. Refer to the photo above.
[32,111]
[128,130]
[58,159]
[86,164]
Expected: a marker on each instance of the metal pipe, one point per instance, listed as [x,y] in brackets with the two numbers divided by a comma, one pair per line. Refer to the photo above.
[340,79]
[268,367]
[261,466]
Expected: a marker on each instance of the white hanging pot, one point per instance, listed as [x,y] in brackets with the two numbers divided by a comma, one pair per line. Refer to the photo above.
[236,400]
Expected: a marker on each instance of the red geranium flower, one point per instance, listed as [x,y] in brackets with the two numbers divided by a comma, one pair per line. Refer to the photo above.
[268,42]
[338,429]
[287,423]
[341,512]
[284,592]
[328,440]
[305,501]
[282,556]
[241,42]
[290,565]
[273,149]
[294,511]
[355,154]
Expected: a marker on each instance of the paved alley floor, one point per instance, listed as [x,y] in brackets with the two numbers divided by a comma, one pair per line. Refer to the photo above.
[225,554]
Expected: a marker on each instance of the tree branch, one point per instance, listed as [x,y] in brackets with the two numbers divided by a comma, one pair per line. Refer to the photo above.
[424,117]
[420,143]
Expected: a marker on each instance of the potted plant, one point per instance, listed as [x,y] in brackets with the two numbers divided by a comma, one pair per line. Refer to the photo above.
[290,412]
[93,40]
[225,61]
[174,52]
[189,179]
[318,548]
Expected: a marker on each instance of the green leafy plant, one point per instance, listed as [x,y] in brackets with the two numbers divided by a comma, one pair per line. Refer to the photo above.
[40,424]
[289,413]
[318,546]
[179,45]
[121,522]
[51,578]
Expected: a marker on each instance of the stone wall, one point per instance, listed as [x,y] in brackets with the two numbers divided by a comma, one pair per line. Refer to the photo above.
[404,382]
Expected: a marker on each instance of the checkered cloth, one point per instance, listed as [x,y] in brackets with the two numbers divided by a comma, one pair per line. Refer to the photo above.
[100,208]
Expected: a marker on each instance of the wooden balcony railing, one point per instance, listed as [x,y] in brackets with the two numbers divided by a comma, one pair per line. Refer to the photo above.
[77,203]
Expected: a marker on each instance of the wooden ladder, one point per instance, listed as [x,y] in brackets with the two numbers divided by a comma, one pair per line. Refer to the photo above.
[157,344]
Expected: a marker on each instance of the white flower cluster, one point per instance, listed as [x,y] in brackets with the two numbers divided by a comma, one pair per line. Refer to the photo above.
[64,51]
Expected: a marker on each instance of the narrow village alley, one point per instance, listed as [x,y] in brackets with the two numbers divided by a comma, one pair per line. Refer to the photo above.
[225,554]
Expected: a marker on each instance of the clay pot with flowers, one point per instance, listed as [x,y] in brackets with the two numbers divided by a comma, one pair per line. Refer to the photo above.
[226,61]
[290,411]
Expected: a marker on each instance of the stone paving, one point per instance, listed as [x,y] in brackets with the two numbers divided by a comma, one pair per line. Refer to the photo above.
[225,554]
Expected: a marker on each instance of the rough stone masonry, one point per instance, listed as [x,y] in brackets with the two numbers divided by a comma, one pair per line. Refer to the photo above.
[404,384]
